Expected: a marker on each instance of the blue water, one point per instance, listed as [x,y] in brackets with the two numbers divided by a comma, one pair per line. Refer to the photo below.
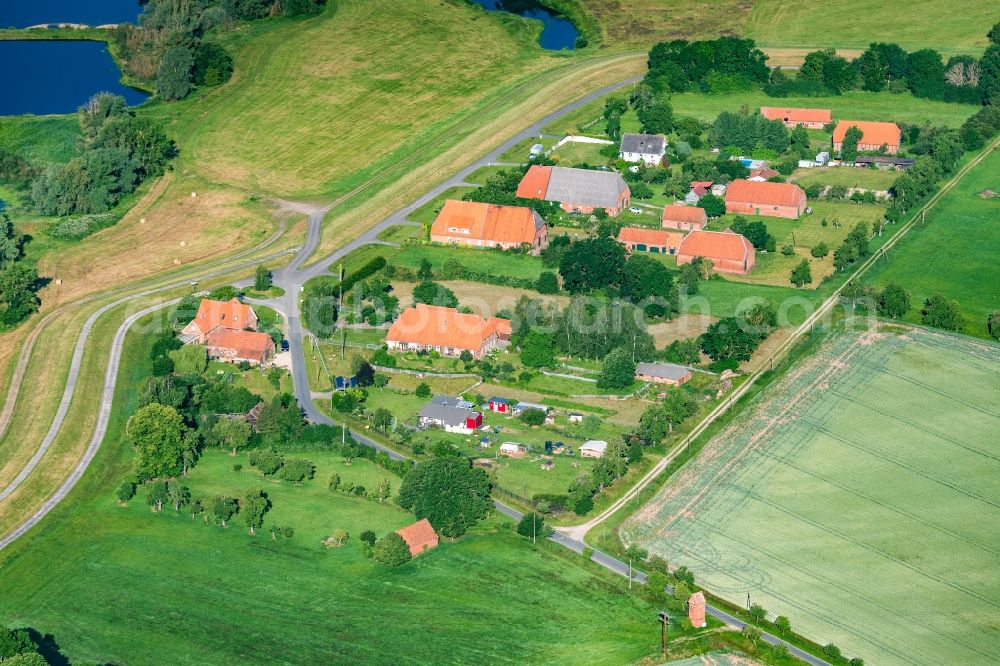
[747,163]
[557,32]
[22,13]
[44,77]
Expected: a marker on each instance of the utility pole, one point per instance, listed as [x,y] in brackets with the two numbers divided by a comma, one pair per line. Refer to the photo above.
[533,528]
[630,573]
[343,433]
[664,622]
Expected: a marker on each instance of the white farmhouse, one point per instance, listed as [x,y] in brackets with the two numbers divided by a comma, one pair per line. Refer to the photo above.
[648,148]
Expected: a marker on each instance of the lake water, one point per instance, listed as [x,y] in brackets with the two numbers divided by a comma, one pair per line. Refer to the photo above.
[557,32]
[22,13]
[44,77]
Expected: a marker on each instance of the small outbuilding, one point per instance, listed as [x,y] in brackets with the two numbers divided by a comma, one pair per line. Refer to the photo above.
[593,448]
[499,405]
[685,218]
[419,536]
[662,373]
[696,610]
[512,450]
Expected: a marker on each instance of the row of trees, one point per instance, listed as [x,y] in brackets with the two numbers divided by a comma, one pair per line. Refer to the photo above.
[19,281]
[118,151]
[741,134]
[720,65]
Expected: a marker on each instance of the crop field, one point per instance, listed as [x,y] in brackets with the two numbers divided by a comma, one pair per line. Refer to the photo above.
[855,23]
[859,496]
[954,252]
[125,585]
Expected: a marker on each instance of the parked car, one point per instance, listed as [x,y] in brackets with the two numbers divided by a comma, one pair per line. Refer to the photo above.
[284,345]
[634,209]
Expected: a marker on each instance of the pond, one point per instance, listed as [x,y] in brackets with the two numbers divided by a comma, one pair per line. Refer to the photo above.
[21,14]
[557,32]
[57,76]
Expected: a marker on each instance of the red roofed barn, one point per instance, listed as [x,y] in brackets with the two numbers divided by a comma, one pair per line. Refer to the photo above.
[811,118]
[576,190]
[683,217]
[220,314]
[729,252]
[419,536]
[488,225]
[447,331]
[874,136]
[226,344]
[771,199]
[657,241]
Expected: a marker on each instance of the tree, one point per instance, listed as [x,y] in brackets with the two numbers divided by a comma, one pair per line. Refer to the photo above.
[423,390]
[993,324]
[233,434]
[636,553]
[756,232]
[189,360]
[380,381]
[813,64]
[425,271]
[18,300]
[617,370]
[783,624]
[801,274]
[262,278]
[856,661]
[224,508]
[212,65]
[849,146]
[532,417]
[547,283]
[757,612]
[531,525]
[893,301]
[728,340]
[831,651]
[364,373]
[433,293]
[820,249]
[391,550]
[14,642]
[173,80]
[713,206]
[253,506]
[657,118]
[368,537]
[296,470]
[648,282]
[156,494]
[157,432]
[591,264]
[751,633]
[382,419]
[941,312]
[97,111]
[538,349]
[449,492]
[925,74]
[125,492]
[179,495]
[267,460]
[799,142]
[11,241]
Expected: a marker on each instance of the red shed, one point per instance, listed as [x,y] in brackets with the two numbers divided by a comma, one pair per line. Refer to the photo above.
[501,405]
[474,421]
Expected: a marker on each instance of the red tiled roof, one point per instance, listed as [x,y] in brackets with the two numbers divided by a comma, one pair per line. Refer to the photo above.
[419,536]
[763,173]
[434,325]
[716,245]
[248,344]
[767,194]
[797,115]
[682,213]
[647,237]
[227,314]
[535,183]
[872,133]
[502,224]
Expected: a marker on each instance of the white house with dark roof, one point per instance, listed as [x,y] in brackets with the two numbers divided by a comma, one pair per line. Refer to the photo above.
[648,148]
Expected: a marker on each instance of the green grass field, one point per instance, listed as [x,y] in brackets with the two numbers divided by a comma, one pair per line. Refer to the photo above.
[499,263]
[40,139]
[125,585]
[869,179]
[427,213]
[954,252]
[855,24]
[859,496]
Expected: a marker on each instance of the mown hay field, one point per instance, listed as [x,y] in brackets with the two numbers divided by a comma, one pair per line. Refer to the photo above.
[859,496]
[954,252]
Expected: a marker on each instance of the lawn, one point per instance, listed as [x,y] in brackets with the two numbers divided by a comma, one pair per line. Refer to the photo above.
[858,496]
[491,261]
[723,297]
[480,175]
[856,23]
[570,154]
[519,152]
[854,105]
[869,179]
[125,585]
[954,252]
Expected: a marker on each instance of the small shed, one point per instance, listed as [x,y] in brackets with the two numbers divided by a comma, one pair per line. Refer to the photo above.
[536,150]
[662,373]
[696,610]
[593,448]
[499,405]
[511,450]
[575,417]
[419,536]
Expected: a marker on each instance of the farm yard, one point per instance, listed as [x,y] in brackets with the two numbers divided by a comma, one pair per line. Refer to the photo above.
[858,496]
[954,252]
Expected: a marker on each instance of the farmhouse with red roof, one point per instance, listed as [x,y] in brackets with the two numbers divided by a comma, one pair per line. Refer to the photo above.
[488,225]
[811,118]
[219,314]
[685,218]
[729,252]
[657,241]
[747,197]
[447,331]
[576,190]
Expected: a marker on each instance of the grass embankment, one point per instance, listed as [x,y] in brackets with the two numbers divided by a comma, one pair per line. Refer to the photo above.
[954,252]
[150,564]
[782,503]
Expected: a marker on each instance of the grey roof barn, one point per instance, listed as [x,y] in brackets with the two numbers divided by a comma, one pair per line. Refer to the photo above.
[662,370]
[601,189]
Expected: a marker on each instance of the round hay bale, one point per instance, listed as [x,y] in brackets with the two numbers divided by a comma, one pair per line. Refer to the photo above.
[184,243]
[194,194]
[177,262]
[142,220]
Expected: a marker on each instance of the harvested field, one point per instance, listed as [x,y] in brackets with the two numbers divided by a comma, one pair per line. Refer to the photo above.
[679,328]
[859,496]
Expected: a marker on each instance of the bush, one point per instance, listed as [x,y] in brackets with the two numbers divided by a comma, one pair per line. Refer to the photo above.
[533,417]
[831,651]
[547,283]
[531,524]
[583,506]
[941,312]
[391,550]
[820,250]
[126,491]
[423,390]
[787,250]
[296,470]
